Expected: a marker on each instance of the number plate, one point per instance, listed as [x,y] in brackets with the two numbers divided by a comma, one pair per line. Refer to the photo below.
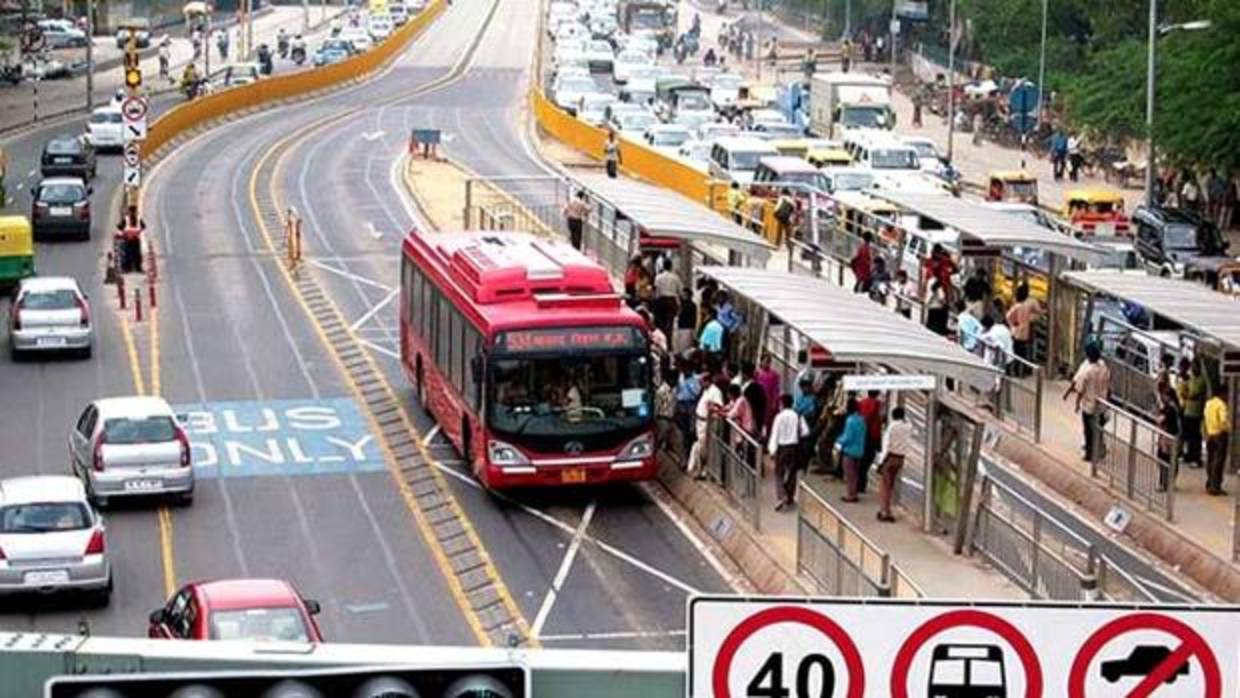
[46,577]
[62,161]
[49,341]
[573,475]
[62,211]
[141,485]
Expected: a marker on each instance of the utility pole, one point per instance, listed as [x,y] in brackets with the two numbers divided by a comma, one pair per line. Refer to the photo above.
[1149,105]
[1042,64]
[90,55]
[249,28]
[847,18]
[895,32]
[951,80]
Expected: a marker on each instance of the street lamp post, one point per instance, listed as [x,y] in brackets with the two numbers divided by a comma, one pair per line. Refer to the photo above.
[1042,64]
[1155,32]
[951,80]
[90,55]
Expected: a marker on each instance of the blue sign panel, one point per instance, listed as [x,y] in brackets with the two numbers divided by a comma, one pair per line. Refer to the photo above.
[279,437]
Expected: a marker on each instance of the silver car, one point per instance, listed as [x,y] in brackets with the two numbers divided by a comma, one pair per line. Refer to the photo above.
[51,539]
[49,313]
[131,446]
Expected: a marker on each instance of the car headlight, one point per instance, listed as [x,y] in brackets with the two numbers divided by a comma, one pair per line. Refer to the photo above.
[505,454]
[641,447]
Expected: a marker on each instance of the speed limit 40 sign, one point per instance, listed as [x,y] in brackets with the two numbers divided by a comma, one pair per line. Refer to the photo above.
[882,648]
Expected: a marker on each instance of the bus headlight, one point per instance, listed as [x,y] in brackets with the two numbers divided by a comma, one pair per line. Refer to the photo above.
[505,454]
[641,447]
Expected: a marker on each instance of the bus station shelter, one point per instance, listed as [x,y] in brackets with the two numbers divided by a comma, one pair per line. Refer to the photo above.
[852,329]
[986,233]
[628,217]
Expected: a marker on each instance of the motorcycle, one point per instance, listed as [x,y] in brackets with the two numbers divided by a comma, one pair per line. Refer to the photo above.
[299,54]
[265,63]
[193,89]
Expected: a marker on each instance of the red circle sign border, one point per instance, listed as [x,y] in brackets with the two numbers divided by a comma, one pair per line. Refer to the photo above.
[125,108]
[1144,621]
[787,614]
[966,618]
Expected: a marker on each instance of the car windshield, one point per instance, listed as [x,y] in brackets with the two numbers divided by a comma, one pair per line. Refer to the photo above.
[670,137]
[126,430]
[851,182]
[925,150]
[645,19]
[281,624]
[1181,236]
[600,47]
[695,101]
[1120,259]
[68,146]
[59,299]
[576,83]
[336,45]
[61,193]
[105,117]
[44,517]
[746,160]
[864,117]
[580,395]
[813,179]
[894,159]
[727,82]
[638,121]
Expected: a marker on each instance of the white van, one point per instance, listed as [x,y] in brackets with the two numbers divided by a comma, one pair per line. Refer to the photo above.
[735,158]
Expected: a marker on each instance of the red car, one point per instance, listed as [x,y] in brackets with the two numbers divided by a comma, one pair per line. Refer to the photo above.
[237,609]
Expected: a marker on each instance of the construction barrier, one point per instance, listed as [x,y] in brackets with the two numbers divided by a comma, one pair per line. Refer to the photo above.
[192,114]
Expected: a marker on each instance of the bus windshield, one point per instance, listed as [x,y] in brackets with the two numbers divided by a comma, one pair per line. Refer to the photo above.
[598,399]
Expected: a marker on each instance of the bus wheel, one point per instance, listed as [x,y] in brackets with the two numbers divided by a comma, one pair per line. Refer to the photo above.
[418,371]
[467,445]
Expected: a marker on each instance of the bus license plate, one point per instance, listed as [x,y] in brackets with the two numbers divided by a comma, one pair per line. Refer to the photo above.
[573,475]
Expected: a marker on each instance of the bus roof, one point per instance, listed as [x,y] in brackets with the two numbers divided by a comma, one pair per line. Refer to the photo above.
[508,277]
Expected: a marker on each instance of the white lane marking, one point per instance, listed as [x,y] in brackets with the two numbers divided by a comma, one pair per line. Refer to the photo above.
[348,274]
[561,574]
[373,231]
[373,136]
[374,309]
[552,521]
[32,173]
[430,435]
[618,635]
[403,194]
[379,348]
[1175,593]
[737,583]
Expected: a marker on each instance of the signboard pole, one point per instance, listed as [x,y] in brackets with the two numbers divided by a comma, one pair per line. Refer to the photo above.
[932,409]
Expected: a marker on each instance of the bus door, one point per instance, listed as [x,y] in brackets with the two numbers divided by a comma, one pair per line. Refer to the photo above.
[967,671]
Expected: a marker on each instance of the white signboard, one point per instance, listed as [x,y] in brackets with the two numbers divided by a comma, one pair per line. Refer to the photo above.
[132,176]
[132,155]
[861,383]
[134,131]
[768,648]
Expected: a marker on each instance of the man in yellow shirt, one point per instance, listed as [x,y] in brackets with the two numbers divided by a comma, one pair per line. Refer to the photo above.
[1218,429]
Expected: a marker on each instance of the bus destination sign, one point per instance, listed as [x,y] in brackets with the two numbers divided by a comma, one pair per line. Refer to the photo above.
[567,339]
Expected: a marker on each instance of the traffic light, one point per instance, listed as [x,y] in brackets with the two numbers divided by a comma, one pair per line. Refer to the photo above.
[133,69]
[371,682]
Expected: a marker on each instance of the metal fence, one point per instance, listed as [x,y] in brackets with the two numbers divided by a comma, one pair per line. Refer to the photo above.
[734,462]
[1116,584]
[838,559]
[1136,460]
[1036,552]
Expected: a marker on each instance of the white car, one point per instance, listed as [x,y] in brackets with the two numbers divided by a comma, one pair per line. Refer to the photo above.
[571,71]
[130,447]
[359,38]
[628,63]
[59,33]
[569,29]
[592,108]
[49,313]
[569,90]
[708,132]
[667,138]
[106,128]
[725,90]
[634,123]
[52,538]
[399,14]
[571,56]
[696,152]
[932,162]
[237,74]
[599,56]
[380,27]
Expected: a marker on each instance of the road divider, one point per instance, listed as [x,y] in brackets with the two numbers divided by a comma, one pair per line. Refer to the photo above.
[190,115]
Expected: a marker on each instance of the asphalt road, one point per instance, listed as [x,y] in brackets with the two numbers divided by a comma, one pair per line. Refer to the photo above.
[292,483]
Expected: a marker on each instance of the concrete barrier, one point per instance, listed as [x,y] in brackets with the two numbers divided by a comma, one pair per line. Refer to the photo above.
[190,115]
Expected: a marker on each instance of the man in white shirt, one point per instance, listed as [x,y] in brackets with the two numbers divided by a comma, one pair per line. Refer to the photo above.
[667,288]
[786,433]
[896,442]
[711,401]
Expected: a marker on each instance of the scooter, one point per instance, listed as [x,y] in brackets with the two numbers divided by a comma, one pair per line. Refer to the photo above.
[299,54]
[265,64]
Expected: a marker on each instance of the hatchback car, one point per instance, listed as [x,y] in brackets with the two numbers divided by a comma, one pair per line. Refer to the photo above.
[60,33]
[131,446]
[51,539]
[49,313]
[237,609]
[357,37]
[68,155]
[106,129]
[60,206]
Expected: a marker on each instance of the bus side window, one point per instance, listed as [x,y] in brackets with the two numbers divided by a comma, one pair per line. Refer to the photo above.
[442,332]
[415,305]
[457,346]
[472,349]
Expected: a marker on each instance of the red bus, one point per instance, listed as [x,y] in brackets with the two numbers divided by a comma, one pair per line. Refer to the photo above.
[522,350]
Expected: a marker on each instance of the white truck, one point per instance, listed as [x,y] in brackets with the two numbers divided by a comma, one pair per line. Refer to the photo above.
[840,101]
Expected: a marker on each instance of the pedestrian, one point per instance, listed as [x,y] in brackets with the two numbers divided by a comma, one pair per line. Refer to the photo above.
[736,203]
[575,212]
[1169,424]
[711,339]
[1216,192]
[1190,193]
[906,294]
[728,317]
[1059,153]
[611,155]
[862,264]
[871,409]
[1192,393]
[665,411]
[895,445]
[785,211]
[940,266]
[129,233]
[786,433]
[740,413]
[832,397]
[997,343]
[195,40]
[708,405]
[851,444]
[1218,431]
[756,396]
[846,55]
[1020,319]
[936,309]
[1076,157]
[1090,385]
[805,370]
[968,328]
[686,322]
[1230,203]
[688,390]
[917,100]
[165,58]
[221,42]
[976,291]
[768,379]
[667,290]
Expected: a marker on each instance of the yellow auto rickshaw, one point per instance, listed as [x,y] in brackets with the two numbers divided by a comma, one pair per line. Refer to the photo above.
[1015,186]
[1096,211]
[1229,278]
[16,250]
[823,158]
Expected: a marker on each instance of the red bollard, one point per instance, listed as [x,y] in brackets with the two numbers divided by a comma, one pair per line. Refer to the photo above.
[137,305]
[152,270]
[120,289]
[150,289]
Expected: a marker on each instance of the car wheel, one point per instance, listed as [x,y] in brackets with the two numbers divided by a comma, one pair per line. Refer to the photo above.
[185,499]
[86,352]
[84,236]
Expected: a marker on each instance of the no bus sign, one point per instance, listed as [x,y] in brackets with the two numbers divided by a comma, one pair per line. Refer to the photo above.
[803,648]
